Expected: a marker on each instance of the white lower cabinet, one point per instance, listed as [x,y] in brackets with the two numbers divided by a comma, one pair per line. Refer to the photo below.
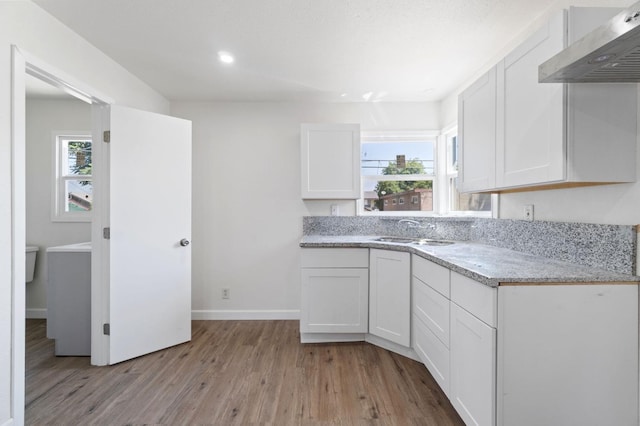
[430,320]
[335,300]
[473,350]
[432,352]
[567,355]
[524,354]
[390,296]
[334,291]
[454,335]
[473,368]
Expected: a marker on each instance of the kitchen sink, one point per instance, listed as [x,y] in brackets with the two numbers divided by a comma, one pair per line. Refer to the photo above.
[417,241]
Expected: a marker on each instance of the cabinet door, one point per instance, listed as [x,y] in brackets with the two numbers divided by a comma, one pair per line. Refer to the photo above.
[572,349]
[390,296]
[334,300]
[530,120]
[473,368]
[477,133]
[330,157]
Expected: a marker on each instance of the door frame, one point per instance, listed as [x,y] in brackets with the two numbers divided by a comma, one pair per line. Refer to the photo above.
[25,63]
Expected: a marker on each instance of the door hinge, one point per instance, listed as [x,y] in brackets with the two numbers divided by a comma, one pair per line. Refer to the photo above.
[106,329]
[106,233]
[106,136]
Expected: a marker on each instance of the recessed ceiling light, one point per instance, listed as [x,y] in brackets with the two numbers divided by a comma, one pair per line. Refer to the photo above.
[225,57]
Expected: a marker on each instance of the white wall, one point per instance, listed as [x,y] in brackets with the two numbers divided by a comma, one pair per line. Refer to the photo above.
[44,117]
[25,25]
[247,210]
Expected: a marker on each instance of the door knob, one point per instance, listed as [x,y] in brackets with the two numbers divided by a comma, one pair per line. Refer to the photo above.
[184,242]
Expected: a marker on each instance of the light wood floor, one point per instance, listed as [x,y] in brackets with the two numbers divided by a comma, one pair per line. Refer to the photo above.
[234,373]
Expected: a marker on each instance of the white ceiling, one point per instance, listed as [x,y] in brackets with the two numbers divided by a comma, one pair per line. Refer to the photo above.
[329,50]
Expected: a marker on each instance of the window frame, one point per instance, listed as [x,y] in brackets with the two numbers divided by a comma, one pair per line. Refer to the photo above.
[59,179]
[443,178]
[400,136]
[449,144]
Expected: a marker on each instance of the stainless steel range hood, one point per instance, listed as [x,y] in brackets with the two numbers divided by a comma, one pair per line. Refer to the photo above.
[609,54]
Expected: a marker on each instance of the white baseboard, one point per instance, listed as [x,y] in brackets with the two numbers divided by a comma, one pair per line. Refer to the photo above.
[331,337]
[36,314]
[245,315]
[210,314]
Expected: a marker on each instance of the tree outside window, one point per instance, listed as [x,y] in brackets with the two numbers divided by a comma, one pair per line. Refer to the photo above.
[73,199]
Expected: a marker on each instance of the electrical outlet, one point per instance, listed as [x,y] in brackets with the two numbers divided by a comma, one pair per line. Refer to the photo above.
[334,210]
[225,293]
[528,212]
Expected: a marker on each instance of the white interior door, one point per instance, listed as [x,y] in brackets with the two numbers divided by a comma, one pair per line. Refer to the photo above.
[149,216]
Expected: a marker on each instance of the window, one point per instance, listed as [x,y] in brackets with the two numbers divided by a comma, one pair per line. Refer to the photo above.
[477,203]
[398,166]
[73,186]
[417,166]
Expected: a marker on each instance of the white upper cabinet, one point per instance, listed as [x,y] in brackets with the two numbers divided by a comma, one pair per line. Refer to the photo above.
[330,157]
[477,127]
[547,133]
[529,143]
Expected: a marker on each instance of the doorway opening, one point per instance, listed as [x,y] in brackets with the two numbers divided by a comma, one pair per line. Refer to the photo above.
[28,70]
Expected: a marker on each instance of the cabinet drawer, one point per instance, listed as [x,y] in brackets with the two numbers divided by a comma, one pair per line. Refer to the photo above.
[432,353]
[478,299]
[432,308]
[335,258]
[434,275]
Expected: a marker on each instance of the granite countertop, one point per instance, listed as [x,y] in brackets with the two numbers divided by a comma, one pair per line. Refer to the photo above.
[489,265]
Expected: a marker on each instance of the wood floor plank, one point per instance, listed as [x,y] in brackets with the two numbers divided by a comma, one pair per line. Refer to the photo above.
[234,373]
